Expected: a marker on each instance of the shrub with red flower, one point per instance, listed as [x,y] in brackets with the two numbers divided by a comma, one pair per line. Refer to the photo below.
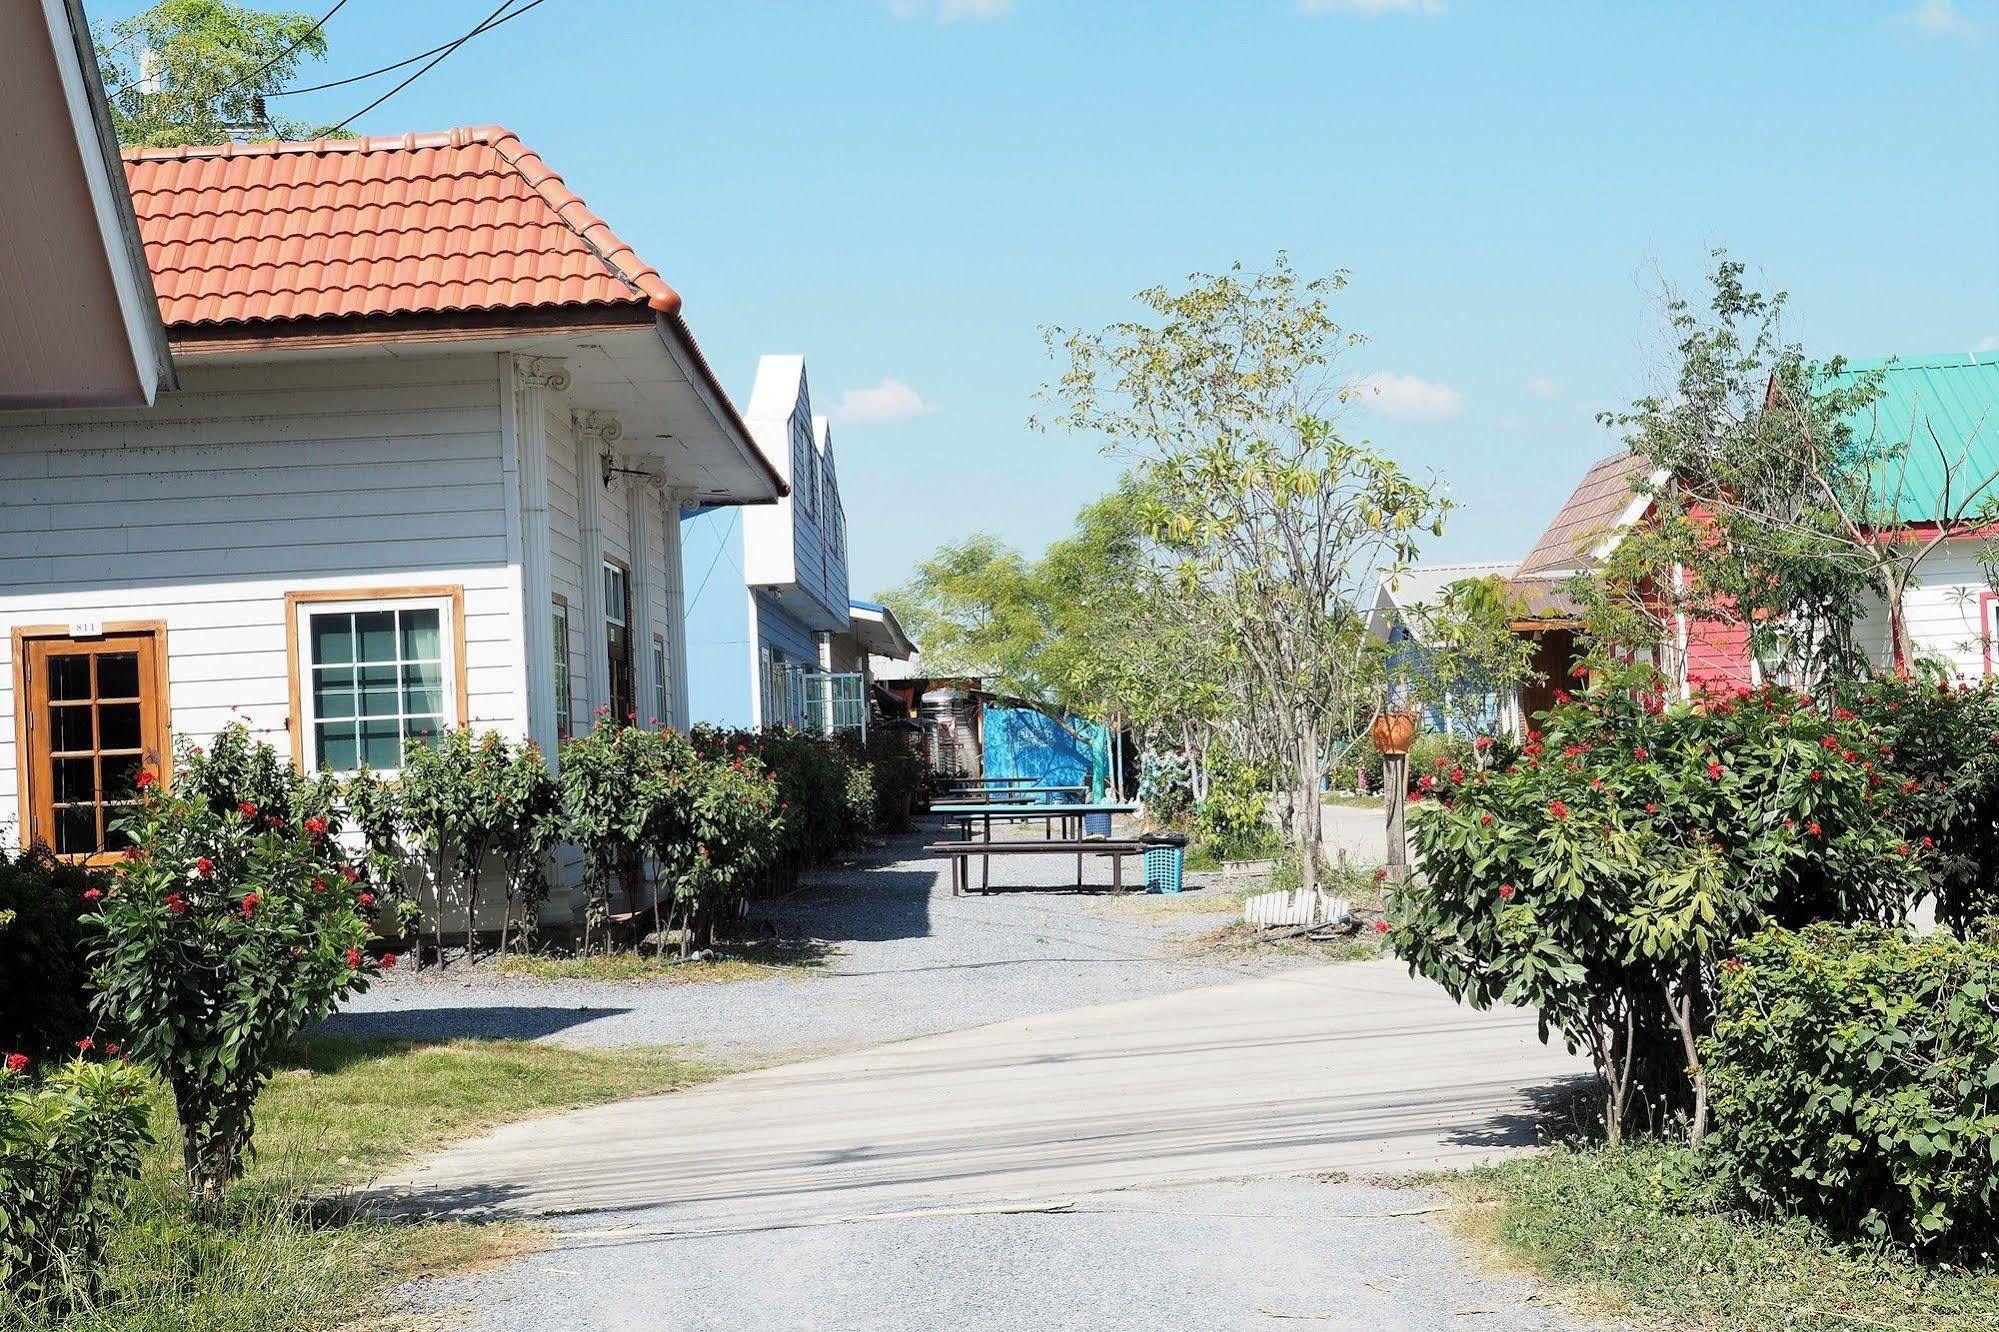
[218,919]
[1633,864]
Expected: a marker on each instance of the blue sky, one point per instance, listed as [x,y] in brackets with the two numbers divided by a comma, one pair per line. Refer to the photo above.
[904,190]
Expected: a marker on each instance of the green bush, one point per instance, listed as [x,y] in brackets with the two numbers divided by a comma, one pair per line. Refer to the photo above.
[1601,878]
[223,935]
[1234,821]
[69,1147]
[1166,786]
[1945,746]
[44,953]
[811,773]
[896,771]
[1856,1081]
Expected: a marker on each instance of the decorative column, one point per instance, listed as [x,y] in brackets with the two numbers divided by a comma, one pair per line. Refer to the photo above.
[639,523]
[595,433]
[535,377]
[671,502]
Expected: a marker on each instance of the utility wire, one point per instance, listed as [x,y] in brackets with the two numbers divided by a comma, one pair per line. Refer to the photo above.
[442,56]
[303,38]
[400,64]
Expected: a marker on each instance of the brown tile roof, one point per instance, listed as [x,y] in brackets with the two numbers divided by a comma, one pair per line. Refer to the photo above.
[465,220]
[1590,514]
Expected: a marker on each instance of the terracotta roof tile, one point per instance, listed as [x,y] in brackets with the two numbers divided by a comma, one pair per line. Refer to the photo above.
[470,219]
[1590,514]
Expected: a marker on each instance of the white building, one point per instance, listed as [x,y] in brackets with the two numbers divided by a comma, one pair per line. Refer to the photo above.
[434,428]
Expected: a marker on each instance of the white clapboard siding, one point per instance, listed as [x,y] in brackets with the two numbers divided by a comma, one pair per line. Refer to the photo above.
[1948,611]
[249,482]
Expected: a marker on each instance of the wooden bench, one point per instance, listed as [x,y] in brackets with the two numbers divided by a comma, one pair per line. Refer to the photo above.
[960,855]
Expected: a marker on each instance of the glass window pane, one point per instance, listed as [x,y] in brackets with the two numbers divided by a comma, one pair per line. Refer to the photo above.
[338,750]
[76,830]
[423,638]
[69,729]
[382,743]
[380,692]
[614,594]
[121,771]
[423,688]
[76,780]
[424,730]
[334,693]
[375,636]
[69,676]
[118,675]
[118,726]
[332,639]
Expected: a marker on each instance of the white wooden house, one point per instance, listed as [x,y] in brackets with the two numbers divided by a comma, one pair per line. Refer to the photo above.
[434,428]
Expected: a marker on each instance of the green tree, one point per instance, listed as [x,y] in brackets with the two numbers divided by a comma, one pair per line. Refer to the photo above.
[1223,399]
[1777,512]
[1471,654]
[195,71]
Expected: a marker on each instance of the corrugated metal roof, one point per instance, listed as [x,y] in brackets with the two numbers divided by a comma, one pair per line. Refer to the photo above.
[1592,512]
[1946,409]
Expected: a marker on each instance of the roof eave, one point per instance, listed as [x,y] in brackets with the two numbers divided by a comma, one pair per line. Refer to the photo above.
[680,344]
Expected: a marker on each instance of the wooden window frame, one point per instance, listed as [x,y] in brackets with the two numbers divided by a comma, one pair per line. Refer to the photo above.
[162,738]
[624,624]
[453,594]
[660,682]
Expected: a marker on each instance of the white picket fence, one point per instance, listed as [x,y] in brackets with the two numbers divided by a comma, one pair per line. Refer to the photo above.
[1301,907]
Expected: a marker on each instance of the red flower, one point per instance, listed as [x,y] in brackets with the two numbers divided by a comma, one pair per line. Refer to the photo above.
[1426,781]
[316,826]
[1814,775]
[1928,843]
[1910,785]
[1485,819]
[204,867]
[16,1062]
[319,885]
[144,780]
[1596,782]
[1713,770]
[365,899]
[86,1045]
[250,901]
[348,873]
[1506,890]
[1557,810]
[1457,774]
[354,958]
[1902,850]
[92,894]
[176,904]
[1380,927]
[1651,808]
[111,1047]
[1812,828]
[1380,874]
[1638,752]
[1484,742]
[388,960]
[247,810]
[1731,965]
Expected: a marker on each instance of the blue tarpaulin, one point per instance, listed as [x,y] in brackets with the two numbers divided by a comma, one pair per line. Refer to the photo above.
[1021,742]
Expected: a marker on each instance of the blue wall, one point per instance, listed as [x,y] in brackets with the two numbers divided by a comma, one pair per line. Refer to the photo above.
[718,617]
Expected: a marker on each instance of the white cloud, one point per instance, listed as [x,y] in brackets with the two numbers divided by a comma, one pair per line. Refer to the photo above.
[1942,18]
[1990,342]
[1407,397]
[886,403]
[1370,6]
[1543,388]
[951,11]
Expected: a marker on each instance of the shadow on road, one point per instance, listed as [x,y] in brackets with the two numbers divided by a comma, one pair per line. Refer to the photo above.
[496,1022]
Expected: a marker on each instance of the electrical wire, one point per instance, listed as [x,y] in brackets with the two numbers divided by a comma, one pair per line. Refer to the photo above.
[441,58]
[303,38]
[400,64]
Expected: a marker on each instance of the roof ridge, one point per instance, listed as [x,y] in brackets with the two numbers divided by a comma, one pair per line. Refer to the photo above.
[464,136]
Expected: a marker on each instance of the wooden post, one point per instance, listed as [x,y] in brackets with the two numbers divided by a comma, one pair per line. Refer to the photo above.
[1395,799]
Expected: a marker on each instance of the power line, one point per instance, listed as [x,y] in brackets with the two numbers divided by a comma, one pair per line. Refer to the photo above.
[442,56]
[386,69]
[303,38]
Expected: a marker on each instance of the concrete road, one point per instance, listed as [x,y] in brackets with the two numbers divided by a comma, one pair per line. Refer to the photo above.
[1354,1068]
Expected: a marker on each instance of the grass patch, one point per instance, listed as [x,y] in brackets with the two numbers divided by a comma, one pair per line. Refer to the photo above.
[280,1257]
[1626,1236]
[1243,939]
[732,962]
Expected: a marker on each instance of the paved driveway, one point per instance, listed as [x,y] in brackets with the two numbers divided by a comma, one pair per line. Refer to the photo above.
[1352,1067]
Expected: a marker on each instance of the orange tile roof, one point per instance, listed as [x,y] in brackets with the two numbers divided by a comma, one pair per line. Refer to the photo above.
[1588,516]
[466,220]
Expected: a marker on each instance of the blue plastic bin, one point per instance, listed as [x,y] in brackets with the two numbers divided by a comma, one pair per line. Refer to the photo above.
[1163,867]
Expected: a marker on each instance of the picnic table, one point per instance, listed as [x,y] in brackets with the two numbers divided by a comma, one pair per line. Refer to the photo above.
[1070,817]
[1003,794]
[960,855]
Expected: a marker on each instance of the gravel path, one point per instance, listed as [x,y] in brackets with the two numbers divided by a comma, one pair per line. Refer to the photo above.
[1256,1254]
[907,959]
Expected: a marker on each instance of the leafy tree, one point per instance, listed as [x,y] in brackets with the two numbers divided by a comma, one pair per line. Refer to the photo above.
[1223,400]
[1471,654]
[1776,513]
[193,71]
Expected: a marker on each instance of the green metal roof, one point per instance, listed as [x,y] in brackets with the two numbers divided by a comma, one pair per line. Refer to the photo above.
[1957,398]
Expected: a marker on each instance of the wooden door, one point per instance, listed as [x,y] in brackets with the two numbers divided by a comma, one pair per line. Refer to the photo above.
[96,719]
